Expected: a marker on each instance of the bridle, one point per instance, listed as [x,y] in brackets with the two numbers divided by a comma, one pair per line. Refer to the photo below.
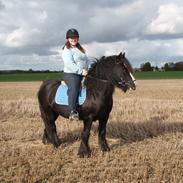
[121,83]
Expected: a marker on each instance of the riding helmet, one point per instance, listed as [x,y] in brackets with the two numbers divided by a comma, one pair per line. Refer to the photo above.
[72,33]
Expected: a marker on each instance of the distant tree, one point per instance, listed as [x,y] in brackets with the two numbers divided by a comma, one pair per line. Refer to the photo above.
[179,66]
[30,70]
[169,66]
[155,68]
[166,67]
[146,67]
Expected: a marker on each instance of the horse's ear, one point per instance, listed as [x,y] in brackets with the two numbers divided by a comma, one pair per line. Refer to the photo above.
[124,55]
[119,58]
[120,55]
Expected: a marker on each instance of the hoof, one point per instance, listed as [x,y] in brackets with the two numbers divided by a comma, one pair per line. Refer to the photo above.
[83,154]
[57,144]
[45,141]
[105,148]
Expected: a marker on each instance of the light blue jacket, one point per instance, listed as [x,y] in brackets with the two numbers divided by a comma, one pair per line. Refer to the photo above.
[74,60]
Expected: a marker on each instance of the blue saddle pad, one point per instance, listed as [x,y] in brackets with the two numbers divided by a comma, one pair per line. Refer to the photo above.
[61,97]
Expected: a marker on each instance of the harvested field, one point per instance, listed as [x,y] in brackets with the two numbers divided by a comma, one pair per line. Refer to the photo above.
[145,134]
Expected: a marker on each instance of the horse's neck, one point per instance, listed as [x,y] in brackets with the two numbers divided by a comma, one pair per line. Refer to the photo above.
[98,74]
[99,79]
[101,86]
[108,90]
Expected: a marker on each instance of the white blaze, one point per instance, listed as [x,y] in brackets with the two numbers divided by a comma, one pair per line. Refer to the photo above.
[132,76]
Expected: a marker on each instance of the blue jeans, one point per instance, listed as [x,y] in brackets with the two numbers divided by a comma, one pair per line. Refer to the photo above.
[73,82]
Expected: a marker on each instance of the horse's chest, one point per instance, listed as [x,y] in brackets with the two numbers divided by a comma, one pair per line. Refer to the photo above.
[105,105]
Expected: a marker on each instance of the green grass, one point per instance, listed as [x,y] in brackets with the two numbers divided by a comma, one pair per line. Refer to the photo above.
[159,75]
[30,76]
[47,76]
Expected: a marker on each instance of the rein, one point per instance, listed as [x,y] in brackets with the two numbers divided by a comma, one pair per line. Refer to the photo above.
[121,83]
[103,80]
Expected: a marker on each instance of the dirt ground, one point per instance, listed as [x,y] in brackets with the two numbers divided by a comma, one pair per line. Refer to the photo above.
[145,134]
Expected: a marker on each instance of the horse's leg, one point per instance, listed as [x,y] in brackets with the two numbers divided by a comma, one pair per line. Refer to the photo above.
[50,133]
[102,133]
[84,149]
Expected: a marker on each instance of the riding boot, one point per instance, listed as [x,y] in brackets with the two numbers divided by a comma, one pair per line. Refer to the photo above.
[74,115]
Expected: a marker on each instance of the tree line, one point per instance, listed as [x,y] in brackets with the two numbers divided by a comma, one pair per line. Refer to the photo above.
[27,71]
[170,66]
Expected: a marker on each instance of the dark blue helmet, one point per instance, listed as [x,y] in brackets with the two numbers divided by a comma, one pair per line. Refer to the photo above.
[72,33]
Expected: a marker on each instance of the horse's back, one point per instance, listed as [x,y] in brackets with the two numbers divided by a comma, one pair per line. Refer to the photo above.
[48,89]
[49,83]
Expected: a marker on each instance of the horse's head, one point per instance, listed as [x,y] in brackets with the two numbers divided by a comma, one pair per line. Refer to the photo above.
[115,69]
[123,73]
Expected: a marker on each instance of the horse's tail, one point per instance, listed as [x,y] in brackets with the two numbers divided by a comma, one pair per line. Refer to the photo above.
[46,96]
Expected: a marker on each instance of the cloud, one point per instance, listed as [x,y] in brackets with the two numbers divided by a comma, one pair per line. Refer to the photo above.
[33,61]
[115,23]
[1,6]
[137,51]
[169,20]
[20,37]
[35,30]
[140,51]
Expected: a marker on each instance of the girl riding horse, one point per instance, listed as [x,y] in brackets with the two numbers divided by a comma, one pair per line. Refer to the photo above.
[103,77]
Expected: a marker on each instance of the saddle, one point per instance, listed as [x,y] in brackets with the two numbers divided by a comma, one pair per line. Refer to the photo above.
[61,96]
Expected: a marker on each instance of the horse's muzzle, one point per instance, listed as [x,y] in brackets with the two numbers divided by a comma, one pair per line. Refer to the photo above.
[133,86]
[126,85]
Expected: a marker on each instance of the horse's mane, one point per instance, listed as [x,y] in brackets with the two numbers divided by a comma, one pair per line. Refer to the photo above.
[97,72]
[101,66]
[106,62]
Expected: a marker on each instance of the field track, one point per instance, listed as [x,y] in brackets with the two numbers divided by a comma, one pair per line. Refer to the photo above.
[145,134]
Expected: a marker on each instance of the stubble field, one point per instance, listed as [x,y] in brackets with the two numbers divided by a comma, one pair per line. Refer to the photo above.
[145,134]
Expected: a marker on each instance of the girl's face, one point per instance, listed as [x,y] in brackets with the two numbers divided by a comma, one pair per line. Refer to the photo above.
[73,41]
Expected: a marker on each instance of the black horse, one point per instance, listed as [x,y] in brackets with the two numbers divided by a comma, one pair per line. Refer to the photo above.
[100,82]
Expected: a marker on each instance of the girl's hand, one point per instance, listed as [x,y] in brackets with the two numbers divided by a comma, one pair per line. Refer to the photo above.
[85,72]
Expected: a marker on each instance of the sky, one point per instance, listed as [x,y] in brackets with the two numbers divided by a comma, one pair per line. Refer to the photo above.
[32,32]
